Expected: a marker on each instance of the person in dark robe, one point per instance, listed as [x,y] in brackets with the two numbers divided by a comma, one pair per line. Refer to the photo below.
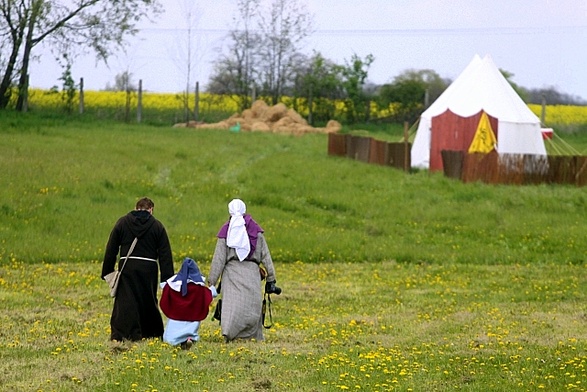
[135,314]
[240,249]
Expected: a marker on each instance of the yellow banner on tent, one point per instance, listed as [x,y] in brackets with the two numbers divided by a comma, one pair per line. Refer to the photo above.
[484,140]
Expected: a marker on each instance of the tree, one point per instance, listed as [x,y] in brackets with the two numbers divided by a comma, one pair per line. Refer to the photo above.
[355,76]
[287,25]
[122,82]
[404,99]
[519,90]
[551,96]
[318,82]
[263,58]
[97,25]
[428,79]
[407,96]
[4,39]
[186,54]
[234,72]
[69,89]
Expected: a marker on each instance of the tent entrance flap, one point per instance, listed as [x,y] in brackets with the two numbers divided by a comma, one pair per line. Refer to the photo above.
[452,132]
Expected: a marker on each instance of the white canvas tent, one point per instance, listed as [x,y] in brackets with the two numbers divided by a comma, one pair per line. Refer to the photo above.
[479,88]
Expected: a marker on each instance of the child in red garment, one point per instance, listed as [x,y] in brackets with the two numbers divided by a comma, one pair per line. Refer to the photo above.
[185,301]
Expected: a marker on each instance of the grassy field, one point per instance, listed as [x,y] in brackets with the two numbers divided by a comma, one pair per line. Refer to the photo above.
[392,281]
[379,326]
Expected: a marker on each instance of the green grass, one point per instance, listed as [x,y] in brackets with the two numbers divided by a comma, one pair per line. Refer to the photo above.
[379,326]
[391,281]
[65,183]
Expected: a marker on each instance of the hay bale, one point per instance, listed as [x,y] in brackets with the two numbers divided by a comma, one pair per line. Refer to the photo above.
[248,114]
[193,124]
[309,129]
[333,126]
[301,129]
[246,126]
[281,129]
[264,118]
[296,117]
[260,126]
[218,125]
[286,126]
[232,121]
[280,126]
[274,113]
[283,122]
[258,108]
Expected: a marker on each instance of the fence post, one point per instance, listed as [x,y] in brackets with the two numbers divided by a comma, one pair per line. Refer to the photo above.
[81,95]
[25,104]
[140,102]
[426,98]
[197,103]
[310,109]
[543,113]
[127,106]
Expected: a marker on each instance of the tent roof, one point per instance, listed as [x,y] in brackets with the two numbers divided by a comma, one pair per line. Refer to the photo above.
[481,86]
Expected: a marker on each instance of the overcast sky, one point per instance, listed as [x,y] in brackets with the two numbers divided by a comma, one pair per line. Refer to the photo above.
[542,42]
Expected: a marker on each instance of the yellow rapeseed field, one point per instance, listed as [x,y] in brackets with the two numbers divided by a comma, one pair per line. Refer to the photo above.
[555,115]
[561,114]
[118,99]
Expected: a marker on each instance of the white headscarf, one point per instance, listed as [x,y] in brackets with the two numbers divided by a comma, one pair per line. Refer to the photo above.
[237,236]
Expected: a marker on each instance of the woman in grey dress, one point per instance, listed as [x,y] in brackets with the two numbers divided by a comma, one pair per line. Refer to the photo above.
[240,249]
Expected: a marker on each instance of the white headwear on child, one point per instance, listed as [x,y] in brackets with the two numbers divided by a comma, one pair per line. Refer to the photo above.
[237,236]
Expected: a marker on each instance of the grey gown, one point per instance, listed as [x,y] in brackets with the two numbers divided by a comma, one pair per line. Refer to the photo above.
[241,289]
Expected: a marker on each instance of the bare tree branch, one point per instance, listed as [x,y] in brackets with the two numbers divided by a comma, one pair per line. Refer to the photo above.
[98,25]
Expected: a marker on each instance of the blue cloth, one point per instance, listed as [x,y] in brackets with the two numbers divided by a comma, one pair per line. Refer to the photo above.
[189,272]
[177,332]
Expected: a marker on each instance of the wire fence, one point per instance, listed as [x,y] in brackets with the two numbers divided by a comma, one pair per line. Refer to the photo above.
[134,105]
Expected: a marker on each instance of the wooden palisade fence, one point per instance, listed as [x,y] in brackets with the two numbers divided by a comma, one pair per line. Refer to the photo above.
[369,150]
[492,168]
[516,169]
